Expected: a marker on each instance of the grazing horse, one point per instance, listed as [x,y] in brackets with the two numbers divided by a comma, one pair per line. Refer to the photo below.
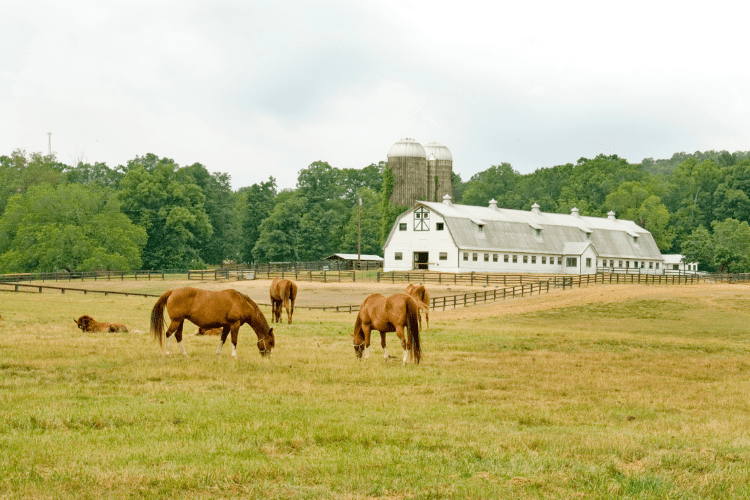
[88,324]
[422,296]
[284,292]
[228,309]
[388,315]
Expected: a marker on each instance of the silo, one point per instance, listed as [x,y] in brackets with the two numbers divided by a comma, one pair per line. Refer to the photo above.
[439,171]
[408,162]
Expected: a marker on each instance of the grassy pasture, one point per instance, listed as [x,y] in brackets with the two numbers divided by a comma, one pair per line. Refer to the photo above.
[604,392]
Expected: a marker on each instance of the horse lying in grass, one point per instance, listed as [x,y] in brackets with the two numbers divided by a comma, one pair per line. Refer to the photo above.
[225,309]
[283,291]
[422,296]
[209,331]
[388,315]
[88,324]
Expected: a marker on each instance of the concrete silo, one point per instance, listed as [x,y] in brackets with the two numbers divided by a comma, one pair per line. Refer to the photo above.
[408,162]
[439,171]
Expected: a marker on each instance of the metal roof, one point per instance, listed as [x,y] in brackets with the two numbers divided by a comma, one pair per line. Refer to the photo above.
[407,147]
[353,256]
[509,230]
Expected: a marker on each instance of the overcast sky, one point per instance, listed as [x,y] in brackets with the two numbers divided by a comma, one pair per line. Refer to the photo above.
[259,89]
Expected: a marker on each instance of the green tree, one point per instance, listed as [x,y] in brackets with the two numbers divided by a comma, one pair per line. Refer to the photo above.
[498,182]
[260,201]
[370,218]
[98,174]
[68,227]
[20,171]
[726,248]
[220,206]
[633,201]
[279,238]
[165,201]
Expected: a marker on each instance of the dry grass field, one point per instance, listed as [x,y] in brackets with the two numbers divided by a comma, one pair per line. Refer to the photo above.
[599,392]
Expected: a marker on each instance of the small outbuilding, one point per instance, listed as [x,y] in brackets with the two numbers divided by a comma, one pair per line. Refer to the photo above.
[350,261]
[676,263]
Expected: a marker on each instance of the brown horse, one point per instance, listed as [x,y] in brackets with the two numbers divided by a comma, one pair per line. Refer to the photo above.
[209,331]
[422,296]
[88,324]
[228,309]
[388,315]
[284,292]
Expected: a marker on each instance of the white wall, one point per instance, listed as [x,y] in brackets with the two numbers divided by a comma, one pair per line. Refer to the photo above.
[409,241]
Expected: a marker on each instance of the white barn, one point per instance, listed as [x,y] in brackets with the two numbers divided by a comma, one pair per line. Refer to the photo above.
[447,237]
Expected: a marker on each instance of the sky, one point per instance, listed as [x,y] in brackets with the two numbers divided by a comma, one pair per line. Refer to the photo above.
[260,89]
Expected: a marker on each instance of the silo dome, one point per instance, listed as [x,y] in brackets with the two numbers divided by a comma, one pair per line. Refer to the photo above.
[439,151]
[408,147]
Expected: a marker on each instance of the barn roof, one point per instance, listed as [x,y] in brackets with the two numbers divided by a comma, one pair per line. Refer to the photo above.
[507,230]
[353,256]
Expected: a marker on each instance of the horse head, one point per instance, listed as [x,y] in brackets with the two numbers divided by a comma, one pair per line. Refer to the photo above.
[267,343]
[358,339]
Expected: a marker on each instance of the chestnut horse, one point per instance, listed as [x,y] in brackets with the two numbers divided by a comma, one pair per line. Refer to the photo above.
[388,315]
[228,309]
[422,296]
[284,292]
[88,324]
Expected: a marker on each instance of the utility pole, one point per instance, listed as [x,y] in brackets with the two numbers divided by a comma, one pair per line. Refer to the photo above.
[359,232]
[49,144]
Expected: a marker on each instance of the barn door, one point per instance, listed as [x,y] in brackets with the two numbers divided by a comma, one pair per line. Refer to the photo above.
[420,260]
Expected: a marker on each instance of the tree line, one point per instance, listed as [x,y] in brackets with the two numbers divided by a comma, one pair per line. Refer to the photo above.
[152,213]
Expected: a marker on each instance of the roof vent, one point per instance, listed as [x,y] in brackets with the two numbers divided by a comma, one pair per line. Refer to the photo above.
[493,203]
[447,199]
[574,212]
[535,209]
[611,215]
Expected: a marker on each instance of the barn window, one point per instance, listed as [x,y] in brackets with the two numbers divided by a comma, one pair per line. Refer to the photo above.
[421,219]
[675,267]
[494,257]
[571,262]
[538,232]
[402,226]
[439,226]
[486,257]
[398,256]
[466,255]
[657,265]
[515,259]
[650,265]
[643,264]
[525,259]
[474,256]
[544,259]
[443,255]
[505,258]
[588,261]
[533,259]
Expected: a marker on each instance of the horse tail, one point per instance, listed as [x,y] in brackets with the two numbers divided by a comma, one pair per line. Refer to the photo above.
[412,318]
[157,317]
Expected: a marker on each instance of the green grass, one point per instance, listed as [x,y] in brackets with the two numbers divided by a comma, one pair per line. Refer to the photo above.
[637,399]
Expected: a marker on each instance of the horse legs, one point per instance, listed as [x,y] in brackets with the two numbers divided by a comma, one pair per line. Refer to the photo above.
[405,343]
[367,329]
[382,344]
[224,333]
[289,308]
[235,333]
[176,328]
